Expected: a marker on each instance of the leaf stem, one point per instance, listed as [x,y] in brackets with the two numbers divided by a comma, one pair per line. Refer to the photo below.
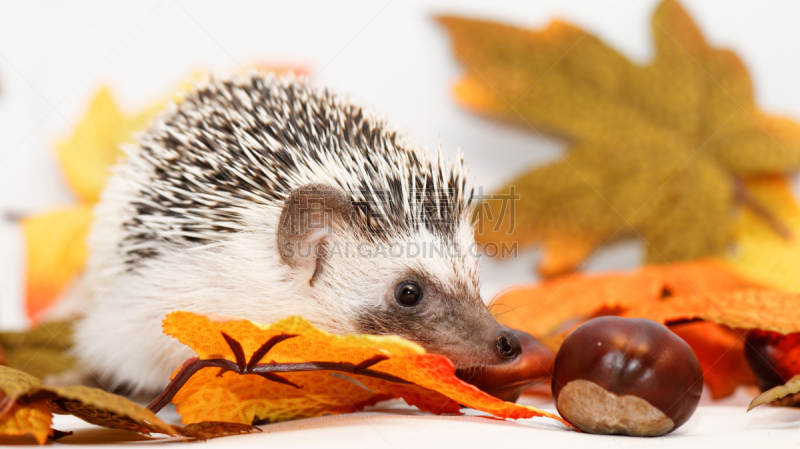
[266,370]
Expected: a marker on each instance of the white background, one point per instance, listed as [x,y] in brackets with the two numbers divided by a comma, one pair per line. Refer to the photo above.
[55,55]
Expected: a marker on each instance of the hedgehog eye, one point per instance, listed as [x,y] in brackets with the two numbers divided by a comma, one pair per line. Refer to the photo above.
[408,294]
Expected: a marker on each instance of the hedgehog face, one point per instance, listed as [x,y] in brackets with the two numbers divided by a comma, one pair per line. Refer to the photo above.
[445,318]
[421,288]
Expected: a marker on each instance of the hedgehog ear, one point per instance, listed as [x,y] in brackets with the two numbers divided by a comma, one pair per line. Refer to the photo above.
[310,213]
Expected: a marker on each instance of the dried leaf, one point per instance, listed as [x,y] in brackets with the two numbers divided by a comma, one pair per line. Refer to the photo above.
[213,429]
[27,407]
[56,252]
[780,392]
[721,354]
[41,351]
[33,419]
[658,147]
[41,362]
[54,334]
[548,308]
[105,409]
[90,404]
[347,373]
[763,254]
[15,384]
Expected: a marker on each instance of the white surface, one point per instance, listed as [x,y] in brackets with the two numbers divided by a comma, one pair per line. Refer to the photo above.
[397,426]
[54,56]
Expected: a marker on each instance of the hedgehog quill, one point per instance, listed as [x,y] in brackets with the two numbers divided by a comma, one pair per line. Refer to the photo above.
[261,197]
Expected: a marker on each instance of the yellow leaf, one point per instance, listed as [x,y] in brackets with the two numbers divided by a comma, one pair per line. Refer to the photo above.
[33,419]
[94,146]
[656,148]
[56,253]
[762,254]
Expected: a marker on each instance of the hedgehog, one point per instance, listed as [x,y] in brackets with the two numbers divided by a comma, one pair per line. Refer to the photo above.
[262,197]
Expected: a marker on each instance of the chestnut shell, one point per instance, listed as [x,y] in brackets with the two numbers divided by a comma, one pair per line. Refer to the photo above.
[631,356]
[507,381]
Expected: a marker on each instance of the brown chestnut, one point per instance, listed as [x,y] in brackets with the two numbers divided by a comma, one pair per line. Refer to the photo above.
[626,376]
[773,357]
[509,380]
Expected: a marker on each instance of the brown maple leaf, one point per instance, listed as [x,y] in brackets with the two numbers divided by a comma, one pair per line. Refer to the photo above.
[658,150]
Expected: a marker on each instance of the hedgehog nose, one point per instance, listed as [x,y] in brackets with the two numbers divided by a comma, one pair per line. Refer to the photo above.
[508,345]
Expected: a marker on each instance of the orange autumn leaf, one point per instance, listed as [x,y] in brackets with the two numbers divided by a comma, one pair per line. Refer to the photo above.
[746,309]
[320,373]
[34,419]
[555,305]
[56,252]
[721,354]
[240,399]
